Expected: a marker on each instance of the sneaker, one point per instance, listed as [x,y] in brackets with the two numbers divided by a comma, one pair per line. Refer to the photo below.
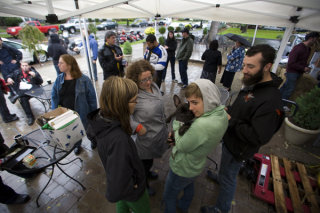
[209,209]
[175,81]
[20,199]
[152,175]
[11,118]
[213,176]
[180,84]
[151,191]
[14,98]
[184,86]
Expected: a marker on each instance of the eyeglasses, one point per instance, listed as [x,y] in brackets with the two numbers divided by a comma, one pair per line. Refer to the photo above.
[143,81]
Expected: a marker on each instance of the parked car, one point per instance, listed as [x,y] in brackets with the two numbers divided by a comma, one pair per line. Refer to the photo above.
[14,31]
[72,25]
[107,25]
[274,28]
[27,55]
[140,23]
[293,41]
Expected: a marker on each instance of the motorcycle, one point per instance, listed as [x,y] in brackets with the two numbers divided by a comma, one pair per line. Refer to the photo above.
[75,46]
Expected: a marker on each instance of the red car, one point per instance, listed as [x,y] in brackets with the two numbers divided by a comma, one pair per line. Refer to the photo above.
[14,31]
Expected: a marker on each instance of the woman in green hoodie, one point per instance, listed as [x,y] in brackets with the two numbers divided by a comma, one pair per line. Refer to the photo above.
[190,151]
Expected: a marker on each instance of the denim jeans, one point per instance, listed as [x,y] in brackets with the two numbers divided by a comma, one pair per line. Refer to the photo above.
[94,66]
[175,184]
[183,66]
[229,169]
[172,62]
[287,89]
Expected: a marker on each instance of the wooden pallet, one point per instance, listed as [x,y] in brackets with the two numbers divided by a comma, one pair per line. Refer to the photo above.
[299,193]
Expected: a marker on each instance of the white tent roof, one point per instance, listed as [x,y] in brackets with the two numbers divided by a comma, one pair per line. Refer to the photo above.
[263,12]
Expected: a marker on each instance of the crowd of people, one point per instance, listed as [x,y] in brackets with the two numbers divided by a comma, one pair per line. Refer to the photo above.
[130,131]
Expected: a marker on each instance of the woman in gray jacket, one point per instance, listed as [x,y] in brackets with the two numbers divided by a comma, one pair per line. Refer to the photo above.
[148,116]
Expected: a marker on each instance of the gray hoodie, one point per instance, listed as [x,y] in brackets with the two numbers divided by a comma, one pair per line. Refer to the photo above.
[211,94]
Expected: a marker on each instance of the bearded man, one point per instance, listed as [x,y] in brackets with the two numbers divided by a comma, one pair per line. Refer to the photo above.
[254,117]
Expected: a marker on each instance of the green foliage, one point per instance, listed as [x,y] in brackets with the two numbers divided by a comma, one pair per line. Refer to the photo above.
[162,40]
[149,30]
[189,26]
[96,20]
[178,35]
[10,21]
[90,20]
[178,29]
[92,28]
[170,28]
[32,37]
[267,34]
[162,30]
[308,114]
[127,48]
[205,31]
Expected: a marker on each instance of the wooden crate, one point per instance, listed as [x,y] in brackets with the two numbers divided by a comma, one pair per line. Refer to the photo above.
[288,189]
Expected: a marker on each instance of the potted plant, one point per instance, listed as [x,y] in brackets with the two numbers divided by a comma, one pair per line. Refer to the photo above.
[162,30]
[127,51]
[32,37]
[304,126]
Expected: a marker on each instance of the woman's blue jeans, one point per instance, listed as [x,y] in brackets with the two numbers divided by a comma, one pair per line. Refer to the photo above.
[174,185]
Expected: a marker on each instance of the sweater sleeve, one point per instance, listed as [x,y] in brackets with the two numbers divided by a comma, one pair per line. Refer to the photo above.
[294,59]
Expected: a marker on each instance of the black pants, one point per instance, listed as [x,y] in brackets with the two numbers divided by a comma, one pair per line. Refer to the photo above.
[147,164]
[24,100]
[159,77]
[4,111]
[7,194]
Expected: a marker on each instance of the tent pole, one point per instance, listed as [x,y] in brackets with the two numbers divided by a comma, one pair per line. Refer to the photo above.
[86,45]
[254,36]
[283,44]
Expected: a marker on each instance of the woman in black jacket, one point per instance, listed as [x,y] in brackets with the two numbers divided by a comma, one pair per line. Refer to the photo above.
[171,46]
[213,61]
[110,127]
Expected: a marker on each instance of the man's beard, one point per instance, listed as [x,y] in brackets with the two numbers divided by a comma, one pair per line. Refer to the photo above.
[253,79]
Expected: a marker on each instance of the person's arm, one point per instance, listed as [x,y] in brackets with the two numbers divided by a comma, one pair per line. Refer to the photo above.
[234,54]
[186,143]
[15,54]
[261,128]
[162,60]
[36,79]
[120,168]
[55,95]
[294,59]
[91,96]
[204,55]
[189,50]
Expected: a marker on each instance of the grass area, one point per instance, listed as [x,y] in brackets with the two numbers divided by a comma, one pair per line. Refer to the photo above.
[268,34]
[135,42]
[124,22]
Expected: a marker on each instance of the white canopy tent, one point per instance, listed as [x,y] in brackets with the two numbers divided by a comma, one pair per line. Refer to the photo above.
[284,13]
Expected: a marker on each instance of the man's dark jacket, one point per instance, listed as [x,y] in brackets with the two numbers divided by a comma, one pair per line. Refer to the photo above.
[119,157]
[108,62]
[7,54]
[55,49]
[256,115]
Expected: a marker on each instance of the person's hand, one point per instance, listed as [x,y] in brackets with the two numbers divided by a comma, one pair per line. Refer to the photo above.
[94,61]
[32,73]
[142,131]
[166,47]
[229,117]
[170,139]
[118,58]
[10,81]
[1,62]
[307,69]
[13,61]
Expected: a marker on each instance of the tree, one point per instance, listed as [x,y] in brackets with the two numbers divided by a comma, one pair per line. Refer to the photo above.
[32,37]
[92,28]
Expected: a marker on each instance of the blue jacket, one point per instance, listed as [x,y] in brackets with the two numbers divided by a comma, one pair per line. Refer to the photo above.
[235,59]
[94,47]
[7,54]
[158,58]
[85,100]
